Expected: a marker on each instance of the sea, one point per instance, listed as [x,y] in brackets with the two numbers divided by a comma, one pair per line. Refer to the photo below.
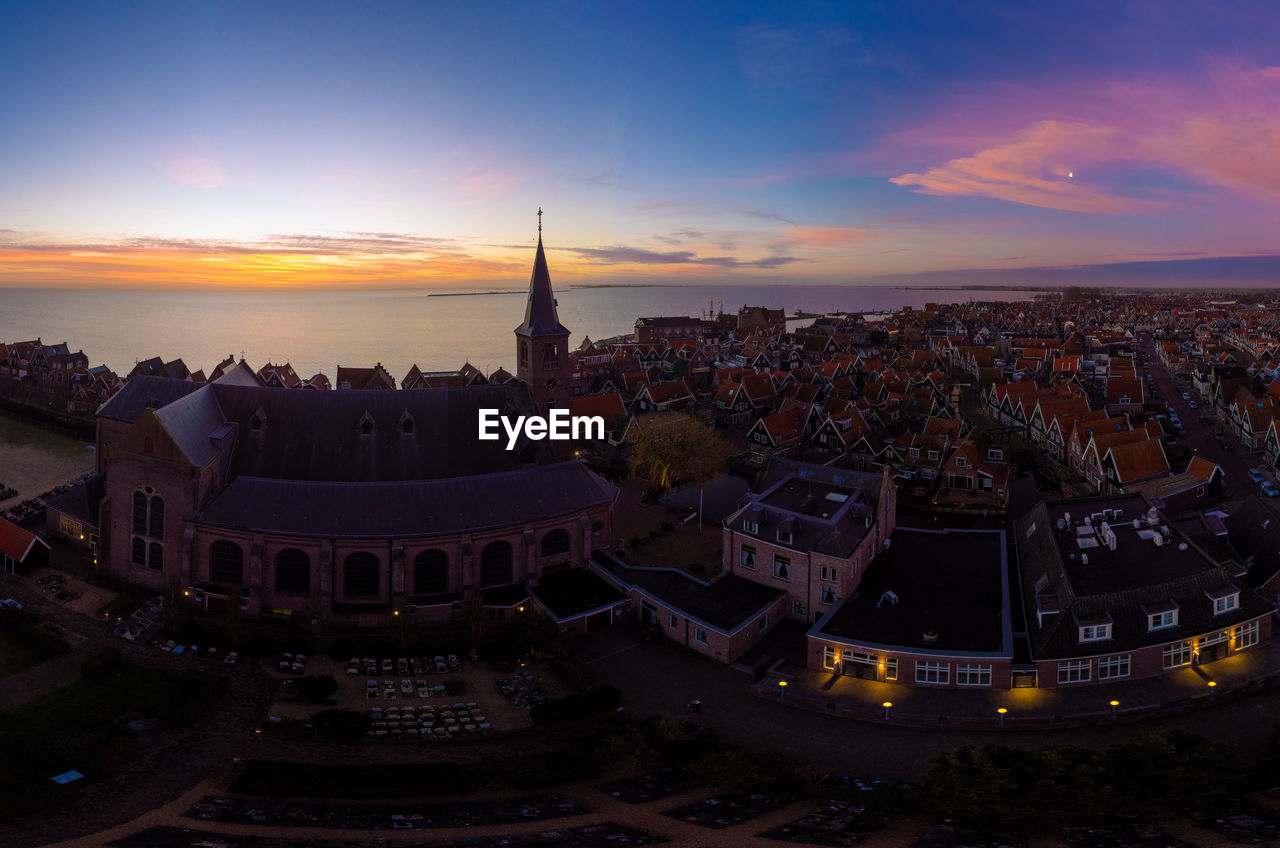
[318,330]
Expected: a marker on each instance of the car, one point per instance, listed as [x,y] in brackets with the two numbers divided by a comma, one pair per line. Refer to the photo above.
[1255,476]
[231,658]
[1186,396]
[1193,404]
[1270,489]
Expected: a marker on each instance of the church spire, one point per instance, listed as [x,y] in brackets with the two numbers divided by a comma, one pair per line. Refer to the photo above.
[540,316]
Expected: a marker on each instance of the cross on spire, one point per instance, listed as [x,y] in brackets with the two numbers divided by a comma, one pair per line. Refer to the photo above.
[539,222]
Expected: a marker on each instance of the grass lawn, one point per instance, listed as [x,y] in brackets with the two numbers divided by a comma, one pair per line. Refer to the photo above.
[72,729]
[22,645]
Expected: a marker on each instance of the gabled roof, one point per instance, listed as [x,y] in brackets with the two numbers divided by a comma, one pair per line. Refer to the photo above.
[17,542]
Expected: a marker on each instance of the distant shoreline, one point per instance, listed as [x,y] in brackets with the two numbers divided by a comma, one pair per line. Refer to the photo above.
[469,294]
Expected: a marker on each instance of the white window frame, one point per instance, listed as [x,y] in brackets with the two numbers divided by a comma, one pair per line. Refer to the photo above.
[1177,655]
[829,658]
[826,595]
[891,668]
[785,537]
[745,553]
[797,608]
[1227,603]
[1074,671]
[700,635]
[973,674]
[1247,635]
[933,673]
[1113,667]
[785,563]
[1095,632]
[750,526]
[1162,620]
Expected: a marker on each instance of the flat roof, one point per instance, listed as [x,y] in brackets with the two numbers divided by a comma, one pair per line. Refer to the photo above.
[808,497]
[1137,560]
[573,592]
[950,583]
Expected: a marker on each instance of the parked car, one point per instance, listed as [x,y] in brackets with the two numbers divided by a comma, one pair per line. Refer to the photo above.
[1255,476]
[1186,396]
[1270,489]
[1193,404]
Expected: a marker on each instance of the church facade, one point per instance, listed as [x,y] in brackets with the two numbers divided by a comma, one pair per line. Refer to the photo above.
[354,506]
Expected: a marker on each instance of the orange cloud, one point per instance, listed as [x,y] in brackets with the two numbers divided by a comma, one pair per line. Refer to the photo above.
[827,237]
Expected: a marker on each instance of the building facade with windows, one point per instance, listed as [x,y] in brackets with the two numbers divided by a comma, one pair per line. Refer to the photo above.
[932,611]
[1113,590]
[810,532]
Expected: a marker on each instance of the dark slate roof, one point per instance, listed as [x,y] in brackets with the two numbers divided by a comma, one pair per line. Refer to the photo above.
[317,435]
[950,583]
[725,604]
[573,592]
[777,469]
[540,318]
[1255,534]
[408,508]
[1116,585]
[191,421]
[141,392]
[82,500]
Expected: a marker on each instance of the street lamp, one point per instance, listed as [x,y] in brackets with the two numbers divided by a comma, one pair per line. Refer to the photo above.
[782,690]
[1114,704]
[1213,684]
[1002,711]
[888,705]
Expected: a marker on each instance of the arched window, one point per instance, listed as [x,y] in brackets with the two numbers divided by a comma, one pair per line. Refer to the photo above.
[226,563]
[431,573]
[140,513]
[361,579]
[157,517]
[496,564]
[293,572]
[147,547]
[555,542]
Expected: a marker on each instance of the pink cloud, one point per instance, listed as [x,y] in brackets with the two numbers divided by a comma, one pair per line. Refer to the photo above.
[826,237]
[1220,131]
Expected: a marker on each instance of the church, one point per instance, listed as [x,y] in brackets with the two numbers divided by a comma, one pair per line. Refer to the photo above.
[355,506]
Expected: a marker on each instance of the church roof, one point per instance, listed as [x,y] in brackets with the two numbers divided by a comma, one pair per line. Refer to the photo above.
[540,318]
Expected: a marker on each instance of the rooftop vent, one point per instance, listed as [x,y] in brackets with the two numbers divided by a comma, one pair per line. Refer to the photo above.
[929,637]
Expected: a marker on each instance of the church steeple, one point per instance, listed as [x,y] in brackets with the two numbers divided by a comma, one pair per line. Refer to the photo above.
[542,342]
[540,316]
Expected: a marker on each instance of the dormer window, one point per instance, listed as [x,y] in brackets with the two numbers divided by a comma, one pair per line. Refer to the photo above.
[1225,601]
[960,462]
[915,453]
[750,526]
[1095,632]
[933,453]
[786,537]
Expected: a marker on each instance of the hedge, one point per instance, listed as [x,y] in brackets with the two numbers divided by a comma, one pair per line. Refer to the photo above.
[576,706]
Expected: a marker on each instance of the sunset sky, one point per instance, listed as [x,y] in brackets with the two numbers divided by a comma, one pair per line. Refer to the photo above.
[388,144]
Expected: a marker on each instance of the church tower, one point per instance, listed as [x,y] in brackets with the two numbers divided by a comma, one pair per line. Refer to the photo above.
[542,342]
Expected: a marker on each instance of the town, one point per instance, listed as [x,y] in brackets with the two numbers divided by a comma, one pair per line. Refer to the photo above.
[978,521]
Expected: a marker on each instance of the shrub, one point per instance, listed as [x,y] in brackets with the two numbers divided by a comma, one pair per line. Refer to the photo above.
[576,706]
[317,687]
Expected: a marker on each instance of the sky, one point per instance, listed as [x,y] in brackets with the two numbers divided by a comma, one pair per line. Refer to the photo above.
[411,144]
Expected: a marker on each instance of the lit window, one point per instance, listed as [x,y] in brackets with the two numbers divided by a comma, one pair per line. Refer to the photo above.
[1246,635]
[1226,603]
[891,669]
[1161,620]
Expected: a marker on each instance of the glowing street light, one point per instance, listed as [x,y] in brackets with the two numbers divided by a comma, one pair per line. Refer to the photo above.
[1114,704]
[888,705]
[1002,712]
[1213,684]
[782,690]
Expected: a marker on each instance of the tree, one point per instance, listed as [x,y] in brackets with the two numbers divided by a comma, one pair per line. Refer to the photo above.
[1173,766]
[674,449]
